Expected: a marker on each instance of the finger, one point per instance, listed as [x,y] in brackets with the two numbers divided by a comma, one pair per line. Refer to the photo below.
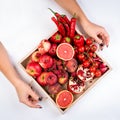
[31,104]
[98,40]
[105,37]
[34,95]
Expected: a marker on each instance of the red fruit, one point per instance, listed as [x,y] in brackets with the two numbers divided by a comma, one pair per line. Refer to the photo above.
[33,69]
[91,54]
[78,40]
[44,46]
[86,63]
[65,51]
[51,78]
[75,85]
[35,56]
[66,40]
[93,48]
[54,89]
[103,67]
[63,77]
[81,49]
[89,41]
[81,57]
[64,99]
[46,61]
[98,73]
[52,50]
[87,48]
[92,69]
[42,79]
[56,38]
[71,65]
[84,73]
[96,64]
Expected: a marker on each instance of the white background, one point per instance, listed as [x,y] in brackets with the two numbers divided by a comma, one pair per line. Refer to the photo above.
[23,23]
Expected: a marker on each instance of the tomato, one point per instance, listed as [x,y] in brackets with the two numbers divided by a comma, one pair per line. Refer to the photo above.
[96,64]
[81,56]
[87,47]
[89,41]
[86,63]
[81,49]
[90,54]
[92,69]
[93,48]
[98,73]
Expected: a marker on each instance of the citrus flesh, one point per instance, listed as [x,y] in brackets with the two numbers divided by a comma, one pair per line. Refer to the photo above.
[65,51]
[64,99]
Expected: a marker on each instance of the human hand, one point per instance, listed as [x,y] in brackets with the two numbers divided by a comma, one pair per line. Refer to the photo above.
[27,96]
[97,33]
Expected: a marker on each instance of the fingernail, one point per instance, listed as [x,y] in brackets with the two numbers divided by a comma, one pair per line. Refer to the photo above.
[101,44]
[40,107]
[40,98]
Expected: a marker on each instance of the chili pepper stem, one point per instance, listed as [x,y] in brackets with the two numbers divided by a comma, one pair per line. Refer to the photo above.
[52,11]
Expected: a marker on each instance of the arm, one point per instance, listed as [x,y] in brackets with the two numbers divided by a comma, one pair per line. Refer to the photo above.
[22,88]
[97,32]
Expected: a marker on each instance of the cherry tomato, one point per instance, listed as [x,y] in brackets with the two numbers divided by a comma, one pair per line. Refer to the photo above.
[87,47]
[92,69]
[93,48]
[96,64]
[89,41]
[81,49]
[86,63]
[90,54]
[81,56]
[98,73]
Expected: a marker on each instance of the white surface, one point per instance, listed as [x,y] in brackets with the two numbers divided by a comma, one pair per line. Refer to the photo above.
[23,23]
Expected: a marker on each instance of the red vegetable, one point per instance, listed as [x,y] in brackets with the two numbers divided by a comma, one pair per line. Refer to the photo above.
[60,26]
[66,19]
[55,13]
[72,27]
[61,29]
[67,29]
[59,17]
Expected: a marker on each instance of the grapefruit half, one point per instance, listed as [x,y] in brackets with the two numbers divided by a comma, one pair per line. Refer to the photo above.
[65,51]
[64,99]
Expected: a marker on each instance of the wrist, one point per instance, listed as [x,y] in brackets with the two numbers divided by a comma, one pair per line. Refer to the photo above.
[17,82]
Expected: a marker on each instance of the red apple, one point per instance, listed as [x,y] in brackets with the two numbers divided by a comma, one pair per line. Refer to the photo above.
[33,69]
[35,56]
[44,46]
[71,65]
[54,89]
[51,78]
[63,77]
[52,50]
[42,79]
[46,61]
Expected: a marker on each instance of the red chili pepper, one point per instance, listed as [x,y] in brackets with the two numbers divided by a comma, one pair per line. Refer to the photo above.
[60,26]
[55,13]
[59,17]
[61,29]
[72,27]
[66,19]
[67,28]
[55,20]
